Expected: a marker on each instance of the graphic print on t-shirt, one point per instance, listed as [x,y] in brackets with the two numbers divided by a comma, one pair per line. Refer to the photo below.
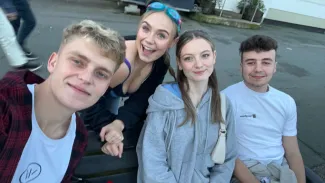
[248,116]
[32,171]
[44,160]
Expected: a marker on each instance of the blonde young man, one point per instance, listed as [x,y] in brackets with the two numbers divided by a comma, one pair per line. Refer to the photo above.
[266,119]
[41,137]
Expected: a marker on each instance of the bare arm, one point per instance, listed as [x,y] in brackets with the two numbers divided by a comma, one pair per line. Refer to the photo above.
[243,174]
[294,158]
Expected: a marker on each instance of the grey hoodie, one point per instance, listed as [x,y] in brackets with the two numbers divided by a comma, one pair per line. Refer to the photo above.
[171,154]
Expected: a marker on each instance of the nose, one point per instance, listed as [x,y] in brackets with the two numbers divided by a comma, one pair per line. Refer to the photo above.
[198,63]
[85,76]
[150,38]
[258,67]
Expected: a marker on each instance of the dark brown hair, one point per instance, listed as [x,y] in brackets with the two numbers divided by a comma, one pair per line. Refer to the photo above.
[183,82]
[258,43]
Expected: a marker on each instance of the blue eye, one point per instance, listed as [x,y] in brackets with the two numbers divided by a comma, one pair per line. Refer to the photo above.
[77,63]
[101,75]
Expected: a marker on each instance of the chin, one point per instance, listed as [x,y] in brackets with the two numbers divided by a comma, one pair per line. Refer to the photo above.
[76,106]
[148,59]
[200,79]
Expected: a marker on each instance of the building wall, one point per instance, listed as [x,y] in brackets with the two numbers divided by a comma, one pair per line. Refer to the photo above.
[302,12]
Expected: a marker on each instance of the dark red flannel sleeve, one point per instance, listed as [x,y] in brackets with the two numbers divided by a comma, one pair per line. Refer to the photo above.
[4,120]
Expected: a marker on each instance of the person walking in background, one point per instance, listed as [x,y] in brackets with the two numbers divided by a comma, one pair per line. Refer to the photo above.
[16,57]
[24,29]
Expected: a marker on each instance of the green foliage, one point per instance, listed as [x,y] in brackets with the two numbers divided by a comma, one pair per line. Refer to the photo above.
[251,5]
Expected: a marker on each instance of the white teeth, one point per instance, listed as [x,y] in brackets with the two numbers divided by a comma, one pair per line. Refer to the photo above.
[147,48]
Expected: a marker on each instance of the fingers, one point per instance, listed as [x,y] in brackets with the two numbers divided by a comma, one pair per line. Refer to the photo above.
[120,149]
[114,137]
[102,134]
[113,149]
[11,16]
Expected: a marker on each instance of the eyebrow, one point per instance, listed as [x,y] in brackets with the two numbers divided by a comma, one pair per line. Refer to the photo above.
[85,58]
[163,30]
[249,60]
[267,59]
[192,54]
[253,59]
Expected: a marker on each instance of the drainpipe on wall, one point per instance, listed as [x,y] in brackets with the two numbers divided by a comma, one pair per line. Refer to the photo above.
[223,5]
[258,4]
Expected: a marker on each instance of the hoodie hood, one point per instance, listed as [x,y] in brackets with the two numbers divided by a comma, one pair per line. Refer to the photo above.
[168,97]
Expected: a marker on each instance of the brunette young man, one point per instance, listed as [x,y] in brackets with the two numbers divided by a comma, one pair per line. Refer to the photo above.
[266,119]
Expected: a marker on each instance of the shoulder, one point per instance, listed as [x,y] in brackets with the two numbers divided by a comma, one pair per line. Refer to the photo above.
[281,96]
[233,92]
[232,89]
[160,63]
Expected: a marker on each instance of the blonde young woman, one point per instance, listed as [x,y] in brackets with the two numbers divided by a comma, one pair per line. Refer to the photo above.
[144,68]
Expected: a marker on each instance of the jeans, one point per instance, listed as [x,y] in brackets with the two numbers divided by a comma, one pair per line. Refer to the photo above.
[29,22]
[9,44]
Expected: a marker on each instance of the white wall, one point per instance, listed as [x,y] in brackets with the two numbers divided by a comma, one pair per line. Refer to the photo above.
[314,8]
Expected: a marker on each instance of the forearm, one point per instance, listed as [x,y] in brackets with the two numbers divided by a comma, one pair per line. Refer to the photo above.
[296,164]
[243,174]
[119,124]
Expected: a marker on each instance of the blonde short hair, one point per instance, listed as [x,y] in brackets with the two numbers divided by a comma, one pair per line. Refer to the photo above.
[110,41]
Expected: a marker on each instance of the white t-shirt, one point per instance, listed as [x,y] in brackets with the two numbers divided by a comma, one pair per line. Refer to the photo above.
[44,159]
[262,119]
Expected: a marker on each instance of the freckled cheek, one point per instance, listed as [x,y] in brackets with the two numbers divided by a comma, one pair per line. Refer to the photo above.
[162,45]
[141,35]
[187,67]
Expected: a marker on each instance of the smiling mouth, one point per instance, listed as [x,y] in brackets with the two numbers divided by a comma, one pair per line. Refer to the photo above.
[199,72]
[79,90]
[146,50]
[258,77]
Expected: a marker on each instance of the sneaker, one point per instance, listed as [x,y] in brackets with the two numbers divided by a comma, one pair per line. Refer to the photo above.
[29,54]
[32,66]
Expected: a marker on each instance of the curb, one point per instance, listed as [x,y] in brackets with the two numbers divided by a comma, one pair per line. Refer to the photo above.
[213,19]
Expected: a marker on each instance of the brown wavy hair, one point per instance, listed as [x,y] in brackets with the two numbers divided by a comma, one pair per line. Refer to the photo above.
[183,82]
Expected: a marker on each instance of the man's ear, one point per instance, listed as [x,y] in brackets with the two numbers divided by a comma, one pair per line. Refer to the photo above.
[241,66]
[51,63]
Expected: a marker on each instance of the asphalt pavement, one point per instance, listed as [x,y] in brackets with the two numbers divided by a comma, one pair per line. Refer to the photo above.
[300,72]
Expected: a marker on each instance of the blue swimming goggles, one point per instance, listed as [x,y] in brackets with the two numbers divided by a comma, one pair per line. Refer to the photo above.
[171,13]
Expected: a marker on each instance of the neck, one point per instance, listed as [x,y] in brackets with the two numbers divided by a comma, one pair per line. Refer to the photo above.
[52,117]
[258,89]
[140,63]
[197,90]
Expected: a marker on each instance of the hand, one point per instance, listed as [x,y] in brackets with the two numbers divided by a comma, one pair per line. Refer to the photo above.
[113,149]
[112,132]
[11,16]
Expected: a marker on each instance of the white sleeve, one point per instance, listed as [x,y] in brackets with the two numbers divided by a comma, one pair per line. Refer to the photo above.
[290,126]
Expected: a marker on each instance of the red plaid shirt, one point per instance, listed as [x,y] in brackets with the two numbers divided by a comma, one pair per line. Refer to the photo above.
[16,124]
